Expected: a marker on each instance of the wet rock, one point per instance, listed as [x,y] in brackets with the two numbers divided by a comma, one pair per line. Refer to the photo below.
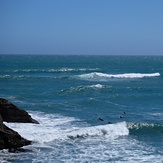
[1,119]
[10,139]
[11,113]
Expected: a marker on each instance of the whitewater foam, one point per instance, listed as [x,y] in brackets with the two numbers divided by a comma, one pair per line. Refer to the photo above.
[108,130]
[55,127]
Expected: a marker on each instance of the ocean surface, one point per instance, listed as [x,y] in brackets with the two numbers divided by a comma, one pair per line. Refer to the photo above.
[71,95]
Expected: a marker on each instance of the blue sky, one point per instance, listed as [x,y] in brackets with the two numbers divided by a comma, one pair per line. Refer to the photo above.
[97,27]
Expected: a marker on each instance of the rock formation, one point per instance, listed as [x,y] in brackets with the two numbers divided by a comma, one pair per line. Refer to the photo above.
[10,139]
[11,113]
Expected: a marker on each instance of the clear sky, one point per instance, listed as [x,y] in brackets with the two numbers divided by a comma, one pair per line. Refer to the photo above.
[104,27]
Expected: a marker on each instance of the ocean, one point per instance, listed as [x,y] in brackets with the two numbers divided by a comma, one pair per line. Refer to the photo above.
[90,108]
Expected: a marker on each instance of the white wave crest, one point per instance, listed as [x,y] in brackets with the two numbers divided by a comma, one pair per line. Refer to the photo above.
[97,75]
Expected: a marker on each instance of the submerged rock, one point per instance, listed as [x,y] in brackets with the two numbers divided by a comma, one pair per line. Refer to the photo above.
[11,113]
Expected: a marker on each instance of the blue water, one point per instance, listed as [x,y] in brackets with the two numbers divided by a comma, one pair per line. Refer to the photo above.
[68,95]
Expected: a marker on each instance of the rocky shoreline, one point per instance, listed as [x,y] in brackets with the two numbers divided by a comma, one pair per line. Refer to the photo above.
[10,139]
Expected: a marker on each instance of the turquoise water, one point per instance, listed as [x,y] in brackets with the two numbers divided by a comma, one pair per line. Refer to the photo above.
[68,95]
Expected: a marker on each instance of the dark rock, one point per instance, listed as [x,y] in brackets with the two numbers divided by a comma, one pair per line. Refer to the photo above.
[11,113]
[10,139]
[1,119]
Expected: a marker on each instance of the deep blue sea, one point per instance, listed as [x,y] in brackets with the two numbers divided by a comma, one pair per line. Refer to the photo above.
[68,95]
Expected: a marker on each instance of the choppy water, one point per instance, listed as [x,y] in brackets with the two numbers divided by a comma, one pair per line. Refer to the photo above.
[68,95]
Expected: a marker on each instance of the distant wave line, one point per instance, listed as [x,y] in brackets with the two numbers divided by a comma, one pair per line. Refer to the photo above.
[56,70]
[24,77]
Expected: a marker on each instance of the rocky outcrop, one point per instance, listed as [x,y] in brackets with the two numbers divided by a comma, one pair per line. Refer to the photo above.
[10,139]
[11,113]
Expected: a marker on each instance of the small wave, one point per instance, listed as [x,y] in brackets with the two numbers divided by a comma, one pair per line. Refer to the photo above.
[5,76]
[145,127]
[103,76]
[97,86]
[24,77]
[87,88]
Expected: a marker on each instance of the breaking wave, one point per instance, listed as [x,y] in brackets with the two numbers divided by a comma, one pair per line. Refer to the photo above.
[109,131]
[61,139]
[55,127]
[103,76]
